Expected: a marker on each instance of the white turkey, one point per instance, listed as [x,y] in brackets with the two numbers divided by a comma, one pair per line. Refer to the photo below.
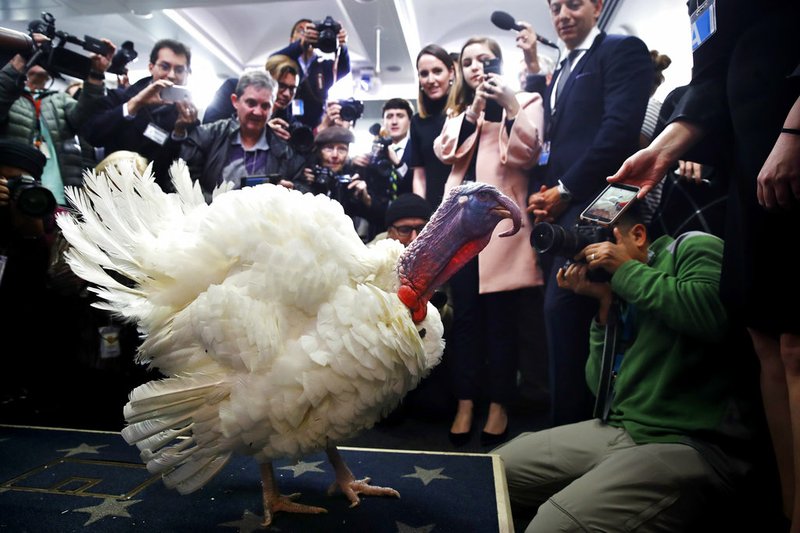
[279,331]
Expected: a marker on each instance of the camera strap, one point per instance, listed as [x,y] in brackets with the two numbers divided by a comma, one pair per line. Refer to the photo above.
[618,334]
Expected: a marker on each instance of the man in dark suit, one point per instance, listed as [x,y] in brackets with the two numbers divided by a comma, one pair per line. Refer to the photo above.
[594,110]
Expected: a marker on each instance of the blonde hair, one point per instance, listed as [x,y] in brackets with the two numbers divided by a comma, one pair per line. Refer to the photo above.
[121,156]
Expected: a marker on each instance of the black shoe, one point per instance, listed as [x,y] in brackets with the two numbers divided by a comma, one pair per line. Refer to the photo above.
[459,439]
[492,439]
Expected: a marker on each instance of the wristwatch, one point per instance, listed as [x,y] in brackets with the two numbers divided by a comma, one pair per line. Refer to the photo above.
[563,192]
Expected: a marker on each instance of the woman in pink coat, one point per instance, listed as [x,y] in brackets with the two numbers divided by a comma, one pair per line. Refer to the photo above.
[492,135]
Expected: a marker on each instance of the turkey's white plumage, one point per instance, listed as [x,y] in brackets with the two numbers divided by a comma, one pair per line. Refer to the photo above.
[280,331]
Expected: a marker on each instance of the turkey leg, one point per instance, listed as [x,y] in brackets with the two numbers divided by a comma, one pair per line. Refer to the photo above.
[351,486]
[274,501]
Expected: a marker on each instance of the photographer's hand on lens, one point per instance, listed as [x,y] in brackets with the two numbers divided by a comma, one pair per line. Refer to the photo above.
[5,194]
[342,37]
[605,255]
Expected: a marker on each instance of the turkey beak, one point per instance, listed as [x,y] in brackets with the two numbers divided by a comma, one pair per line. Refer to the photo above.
[508,209]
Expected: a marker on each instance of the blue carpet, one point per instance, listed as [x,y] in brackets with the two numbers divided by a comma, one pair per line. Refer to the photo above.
[65,480]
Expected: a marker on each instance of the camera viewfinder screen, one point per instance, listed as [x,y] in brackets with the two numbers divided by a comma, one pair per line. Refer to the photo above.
[611,202]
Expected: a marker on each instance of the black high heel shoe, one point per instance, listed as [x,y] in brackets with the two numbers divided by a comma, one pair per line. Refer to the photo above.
[460,439]
[492,439]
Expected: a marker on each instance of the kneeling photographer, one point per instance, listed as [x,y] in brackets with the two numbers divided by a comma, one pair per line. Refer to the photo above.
[334,175]
[31,112]
[668,389]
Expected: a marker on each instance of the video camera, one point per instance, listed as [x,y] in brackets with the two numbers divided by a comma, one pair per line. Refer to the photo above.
[328,29]
[378,160]
[595,225]
[56,59]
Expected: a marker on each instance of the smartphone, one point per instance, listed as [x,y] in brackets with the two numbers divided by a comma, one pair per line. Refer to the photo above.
[493,112]
[175,93]
[610,204]
[250,181]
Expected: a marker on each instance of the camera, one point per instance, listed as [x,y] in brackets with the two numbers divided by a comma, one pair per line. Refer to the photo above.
[332,185]
[55,58]
[301,137]
[124,55]
[328,30]
[378,160]
[30,197]
[352,109]
[567,242]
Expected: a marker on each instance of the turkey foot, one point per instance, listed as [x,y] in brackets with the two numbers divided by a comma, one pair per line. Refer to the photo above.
[349,485]
[274,501]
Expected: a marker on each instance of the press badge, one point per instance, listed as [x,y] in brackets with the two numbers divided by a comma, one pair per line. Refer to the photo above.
[156,134]
[544,156]
[109,342]
[704,23]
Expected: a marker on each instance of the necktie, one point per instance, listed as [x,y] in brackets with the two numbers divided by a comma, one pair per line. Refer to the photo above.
[566,69]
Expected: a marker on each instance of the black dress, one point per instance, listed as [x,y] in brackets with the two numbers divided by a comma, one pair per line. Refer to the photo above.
[744,83]
[423,132]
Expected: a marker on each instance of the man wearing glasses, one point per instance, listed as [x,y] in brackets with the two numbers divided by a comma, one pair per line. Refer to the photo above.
[139,118]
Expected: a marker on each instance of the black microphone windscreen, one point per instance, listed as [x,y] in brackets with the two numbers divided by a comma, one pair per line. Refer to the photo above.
[504,21]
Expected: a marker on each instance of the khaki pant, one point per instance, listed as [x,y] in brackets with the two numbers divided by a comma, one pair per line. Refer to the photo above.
[590,476]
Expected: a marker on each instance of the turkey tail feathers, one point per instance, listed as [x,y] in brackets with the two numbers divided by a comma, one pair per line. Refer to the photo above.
[162,417]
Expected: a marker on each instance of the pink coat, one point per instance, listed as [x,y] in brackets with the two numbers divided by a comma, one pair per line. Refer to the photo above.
[506,263]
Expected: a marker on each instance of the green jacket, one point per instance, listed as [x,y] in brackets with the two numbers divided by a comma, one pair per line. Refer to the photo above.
[62,114]
[677,381]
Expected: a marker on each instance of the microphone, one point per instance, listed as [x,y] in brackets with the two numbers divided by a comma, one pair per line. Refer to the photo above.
[504,21]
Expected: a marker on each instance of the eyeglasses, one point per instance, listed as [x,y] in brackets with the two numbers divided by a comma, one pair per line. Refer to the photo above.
[165,67]
[285,87]
[406,230]
[337,149]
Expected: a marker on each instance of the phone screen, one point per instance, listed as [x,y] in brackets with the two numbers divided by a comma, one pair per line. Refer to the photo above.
[175,93]
[250,181]
[610,204]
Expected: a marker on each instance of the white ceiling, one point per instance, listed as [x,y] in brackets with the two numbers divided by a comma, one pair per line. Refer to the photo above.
[229,37]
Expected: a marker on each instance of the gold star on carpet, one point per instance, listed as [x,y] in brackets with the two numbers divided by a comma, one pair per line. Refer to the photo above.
[426,476]
[405,528]
[109,507]
[248,523]
[301,467]
[83,448]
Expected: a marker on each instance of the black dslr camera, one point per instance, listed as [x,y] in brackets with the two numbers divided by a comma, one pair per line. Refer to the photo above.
[595,225]
[301,137]
[328,30]
[352,109]
[332,185]
[55,58]
[30,197]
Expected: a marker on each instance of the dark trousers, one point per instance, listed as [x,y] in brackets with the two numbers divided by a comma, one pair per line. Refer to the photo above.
[484,339]
[567,319]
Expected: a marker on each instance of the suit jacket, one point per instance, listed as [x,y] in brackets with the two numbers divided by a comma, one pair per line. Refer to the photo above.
[599,115]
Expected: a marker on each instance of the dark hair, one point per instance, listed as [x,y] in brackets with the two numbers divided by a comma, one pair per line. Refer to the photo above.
[256,78]
[461,95]
[442,55]
[296,24]
[398,103]
[178,47]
